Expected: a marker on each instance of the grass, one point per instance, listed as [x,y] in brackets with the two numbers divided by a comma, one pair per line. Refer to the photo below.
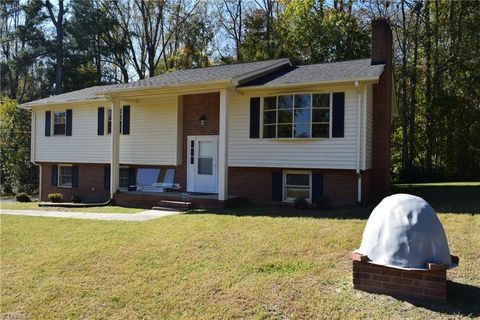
[34,206]
[233,264]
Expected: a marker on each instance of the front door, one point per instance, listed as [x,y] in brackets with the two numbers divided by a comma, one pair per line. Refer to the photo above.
[202,164]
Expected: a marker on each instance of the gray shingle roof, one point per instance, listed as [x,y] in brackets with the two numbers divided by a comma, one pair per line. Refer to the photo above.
[314,73]
[180,77]
[336,71]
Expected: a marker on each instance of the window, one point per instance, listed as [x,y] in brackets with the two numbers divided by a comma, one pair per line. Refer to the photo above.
[121,120]
[59,122]
[297,116]
[124,178]
[109,120]
[297,184]
[65,176]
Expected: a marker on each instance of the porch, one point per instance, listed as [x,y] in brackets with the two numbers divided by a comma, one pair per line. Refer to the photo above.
[170,199]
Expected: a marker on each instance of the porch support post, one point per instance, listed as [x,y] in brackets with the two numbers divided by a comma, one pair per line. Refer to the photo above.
[223,147]
[115,149]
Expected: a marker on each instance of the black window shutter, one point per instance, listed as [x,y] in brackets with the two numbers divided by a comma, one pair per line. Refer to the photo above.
[132,179]
[277,186]
[74,176]
[68,129]
[106,178]
[48,123]
[54,175]
[254,118]
[126,120]
[338,115]
[101,121]
[317,186]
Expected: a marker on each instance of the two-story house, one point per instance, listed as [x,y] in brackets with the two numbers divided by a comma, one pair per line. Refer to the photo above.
[268,131]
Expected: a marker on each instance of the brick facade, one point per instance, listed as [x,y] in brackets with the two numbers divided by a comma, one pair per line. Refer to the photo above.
[430,285]
[256,184]
[90,183]
[382,101]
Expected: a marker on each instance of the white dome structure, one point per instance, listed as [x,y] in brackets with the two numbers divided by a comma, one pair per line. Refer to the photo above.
[404,232]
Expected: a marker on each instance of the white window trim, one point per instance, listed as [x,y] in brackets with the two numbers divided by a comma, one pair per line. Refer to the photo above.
[311,93]
[59,175]
[52,126]
[284,184]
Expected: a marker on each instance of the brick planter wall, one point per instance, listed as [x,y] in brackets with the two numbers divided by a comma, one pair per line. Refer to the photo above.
[429,285]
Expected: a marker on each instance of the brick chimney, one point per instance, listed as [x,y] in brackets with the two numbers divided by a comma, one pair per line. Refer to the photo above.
[382,103]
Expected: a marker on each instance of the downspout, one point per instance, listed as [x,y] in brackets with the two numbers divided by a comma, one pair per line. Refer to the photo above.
[33,142]
[359,116]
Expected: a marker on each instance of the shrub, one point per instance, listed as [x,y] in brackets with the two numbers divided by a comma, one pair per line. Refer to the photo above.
[76,199]
[324,203]
[23,197]
[300,203]
[55,197]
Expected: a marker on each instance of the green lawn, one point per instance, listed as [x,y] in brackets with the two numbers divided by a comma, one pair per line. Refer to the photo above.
[234,264]
[34,206]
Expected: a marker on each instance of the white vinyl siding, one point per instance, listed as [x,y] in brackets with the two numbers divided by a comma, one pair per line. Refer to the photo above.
[153,133]
[83,146]
[152,139]
[333,153]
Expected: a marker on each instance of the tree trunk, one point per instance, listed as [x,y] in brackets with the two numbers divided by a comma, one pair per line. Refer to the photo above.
[428,92]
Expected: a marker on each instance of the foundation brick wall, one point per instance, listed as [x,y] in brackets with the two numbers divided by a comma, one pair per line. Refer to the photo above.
[90,183]
[430,285]
[256,184]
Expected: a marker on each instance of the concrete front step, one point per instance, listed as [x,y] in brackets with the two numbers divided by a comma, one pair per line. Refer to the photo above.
[172,205]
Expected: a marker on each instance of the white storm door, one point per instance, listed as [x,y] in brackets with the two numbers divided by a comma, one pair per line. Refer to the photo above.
[202,164]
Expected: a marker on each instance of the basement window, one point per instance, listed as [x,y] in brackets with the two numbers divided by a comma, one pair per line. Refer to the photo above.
[65,176]
[297,184]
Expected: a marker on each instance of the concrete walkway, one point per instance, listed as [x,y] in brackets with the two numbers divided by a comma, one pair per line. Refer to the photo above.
[141,216]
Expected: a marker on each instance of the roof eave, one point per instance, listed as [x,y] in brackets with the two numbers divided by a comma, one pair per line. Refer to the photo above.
[373,79]
[46,104]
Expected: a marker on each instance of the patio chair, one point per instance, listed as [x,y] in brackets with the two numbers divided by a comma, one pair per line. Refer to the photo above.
[168,181]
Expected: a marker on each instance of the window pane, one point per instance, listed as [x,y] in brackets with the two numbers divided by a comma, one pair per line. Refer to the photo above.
[205,149]
[109,119]
[270,103]
[66,176]
[302,101]
[302,115]
[59,129]
[124,178]
[285,102]
[269,131]
[269,117]
[293,193]
[302,130]
[284,116]
[59,122]
[205,166]
[320,115]
[298,179]
[321,100]
[320,131]
[284,131]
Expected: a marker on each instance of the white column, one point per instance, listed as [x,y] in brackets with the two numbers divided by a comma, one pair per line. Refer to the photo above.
[115,149]
[223,147]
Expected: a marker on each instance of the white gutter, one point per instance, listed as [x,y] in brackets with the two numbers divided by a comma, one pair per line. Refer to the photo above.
[33,142]
[364,132]
[359,116]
